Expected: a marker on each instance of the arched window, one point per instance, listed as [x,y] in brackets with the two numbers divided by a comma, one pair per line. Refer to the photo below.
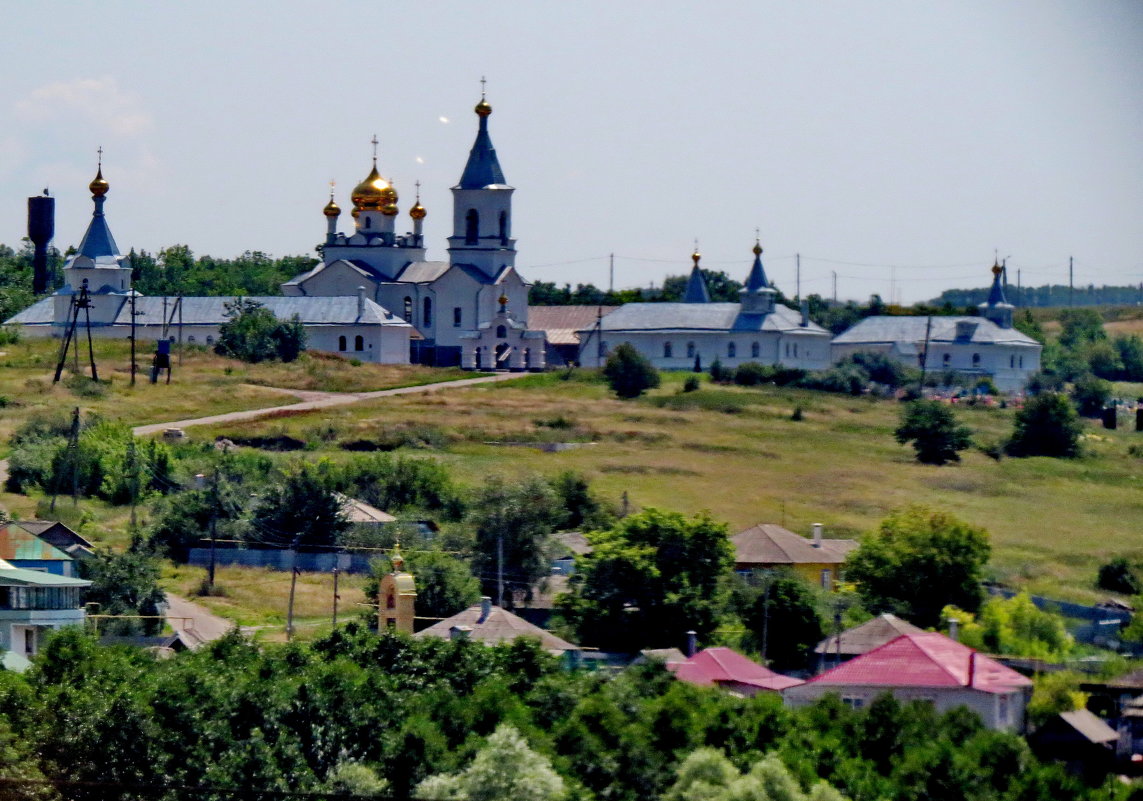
[367,223]
[341,343]
[456,316]
[501,332]
[427,316]
[503,228]
[690,350]
[359,342]
[210,340]
[408,309]
[190,338]
[755,350]
[1012,361]
[947,359]
[731,350]
[527,358]
[666,350]
[976,360]
[472,227]
[1021,361]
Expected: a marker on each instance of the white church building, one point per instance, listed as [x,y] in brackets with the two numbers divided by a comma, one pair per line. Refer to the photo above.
[97,295]
[974,347]
[471,310]
[679,336]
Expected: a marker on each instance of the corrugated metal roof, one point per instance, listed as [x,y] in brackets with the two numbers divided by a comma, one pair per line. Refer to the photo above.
[16,543]
[501,626]
[17,576]
[719,665]
[704,317]
[1092,727]
[420,272]
[869,635]
[927,659]
[885,328]
[98,241]
[770,544]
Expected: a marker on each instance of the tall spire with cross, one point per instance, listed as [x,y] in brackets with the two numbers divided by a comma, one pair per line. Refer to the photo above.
[696,291]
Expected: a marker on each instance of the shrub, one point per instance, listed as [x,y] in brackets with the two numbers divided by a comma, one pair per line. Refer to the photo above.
[797,415]
[253,334]
[629,373]
[1118,576]
[718,372]
[1047,426]
[751,374]
[1090,394]
[691,384]
[879,367]
[846,379]
[932,428]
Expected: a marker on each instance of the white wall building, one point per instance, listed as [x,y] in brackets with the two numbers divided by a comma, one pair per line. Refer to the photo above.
[97,275]
[471,310]
[674,335]
[986,346]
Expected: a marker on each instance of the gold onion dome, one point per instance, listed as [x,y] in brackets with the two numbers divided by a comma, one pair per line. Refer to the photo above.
[483,109]
[418,211]
[695,257]
[331,209]
[99,185]
[996,268]
[373,193]
[390,210]
[757,249]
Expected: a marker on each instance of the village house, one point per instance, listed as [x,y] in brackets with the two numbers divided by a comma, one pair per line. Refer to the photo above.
[862,639]
[767,546]
[492,625]
[20,548]
[730,671]
[32,602]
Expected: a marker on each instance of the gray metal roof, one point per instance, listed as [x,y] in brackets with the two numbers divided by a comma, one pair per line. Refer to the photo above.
[887,329]
[704,317]
[340,310]
[420,272]
[483,168]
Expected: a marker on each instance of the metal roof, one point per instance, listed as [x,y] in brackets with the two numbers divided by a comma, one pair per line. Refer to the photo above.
[756,281]
[483,168]
[422,272]
[887,329]
[869,635]
[684,317]
[18,576]
[17,543]
[770,544]
[98,240]
[696,288]
[722,665]
[499,627]
[562,324]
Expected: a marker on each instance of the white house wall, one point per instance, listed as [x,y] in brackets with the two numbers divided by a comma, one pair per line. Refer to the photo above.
[944,699]
[808,351]
[1009,366]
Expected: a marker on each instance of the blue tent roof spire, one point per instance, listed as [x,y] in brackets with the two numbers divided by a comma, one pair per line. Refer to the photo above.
[483,168]
[996,294]
[696,284]
[98,240]
[756,281]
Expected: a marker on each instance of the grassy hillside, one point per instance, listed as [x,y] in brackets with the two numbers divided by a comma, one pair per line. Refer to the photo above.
[738,453]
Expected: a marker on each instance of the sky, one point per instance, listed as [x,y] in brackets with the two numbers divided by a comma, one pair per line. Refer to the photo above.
[900,145]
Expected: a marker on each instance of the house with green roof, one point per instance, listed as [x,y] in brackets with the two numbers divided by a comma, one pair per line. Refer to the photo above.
[33,602]
[21,548]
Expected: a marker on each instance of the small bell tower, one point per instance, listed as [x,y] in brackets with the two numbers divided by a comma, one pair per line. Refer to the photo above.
[396,597]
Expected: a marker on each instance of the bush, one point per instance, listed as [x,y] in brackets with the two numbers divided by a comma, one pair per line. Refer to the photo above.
[629,373]
[1091,394]
[1118,576]
[719,373]
[847,380]
[1047,426]
[691,384]
[879,367]
[751,374]
[253,334]
[932,428]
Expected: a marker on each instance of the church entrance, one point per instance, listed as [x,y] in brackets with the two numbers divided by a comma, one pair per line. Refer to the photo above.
[502,352]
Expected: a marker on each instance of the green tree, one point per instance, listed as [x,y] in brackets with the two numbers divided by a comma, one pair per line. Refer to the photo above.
[252,333]
[919,561]
[1080,326]
[585,510]
[1014,626]
[932,428]
[782,621]
[648,580]
[1053,693]
[1047,426]
[302,509]
[1090,395]
[1027,324]
[628,372]
[1118,575]
[505,768]
[124,584]
[514,521]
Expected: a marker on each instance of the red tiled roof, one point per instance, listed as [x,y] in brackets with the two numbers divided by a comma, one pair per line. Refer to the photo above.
[719,665]
[927,659]
[768,544]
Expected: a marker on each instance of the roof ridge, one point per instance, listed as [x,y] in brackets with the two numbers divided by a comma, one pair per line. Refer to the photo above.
[921,640]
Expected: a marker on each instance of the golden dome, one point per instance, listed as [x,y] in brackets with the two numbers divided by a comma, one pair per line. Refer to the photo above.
[996,268]
[373,193]
[98,185]
[418,211]
[695,257]
[355,213]
[390,210]
[331,209]
[483,109]
[757,248]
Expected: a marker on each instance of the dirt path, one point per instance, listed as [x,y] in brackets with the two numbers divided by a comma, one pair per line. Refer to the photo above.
[195,621]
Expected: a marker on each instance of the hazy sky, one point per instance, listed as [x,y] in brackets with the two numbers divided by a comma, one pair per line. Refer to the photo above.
[896,143]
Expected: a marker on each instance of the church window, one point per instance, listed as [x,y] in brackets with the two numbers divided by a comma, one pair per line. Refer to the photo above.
[731,350]
[472,227]
[795,350]
[503,228]
[367,223]
[427,316]
[359,342]
[976,360]
[666,350]
[190,338]
[456,316]
[690,350]
[527,358]
[1021,361]
[341,343]
[1011,361]
[947,359]
[408,309]
[210,340]
[501,332]
[755,350]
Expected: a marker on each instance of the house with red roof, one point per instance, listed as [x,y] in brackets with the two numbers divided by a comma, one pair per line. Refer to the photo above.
[730,670]
[925,666]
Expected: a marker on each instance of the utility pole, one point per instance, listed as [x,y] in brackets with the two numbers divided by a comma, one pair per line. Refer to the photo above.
[835,287]
[1071,283]
[500,570]
[180,306]
[214,502]
[336,597]
[132,478]
[925,354]
[611,275]
[1019,289]
[293,585]
[132,302]
[768,579]
[798,298]
[70,459]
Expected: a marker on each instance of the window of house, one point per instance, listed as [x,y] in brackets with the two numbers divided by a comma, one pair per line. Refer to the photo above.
[190,338]
[341,343]
[501,332]
[1002,710]
[210,340]
[456,317]
[755,350]
[976,360]
[666,350]
[1021,361]
[427,312]
[827,578]
[731,350]
[359,342]
[472,227]
[853,701]
[1011,361]
[690,350]
[946,359]
[408,309]
[367,223]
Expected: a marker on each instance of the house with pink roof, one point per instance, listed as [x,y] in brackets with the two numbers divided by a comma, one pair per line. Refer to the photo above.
[925,666]
[730,670]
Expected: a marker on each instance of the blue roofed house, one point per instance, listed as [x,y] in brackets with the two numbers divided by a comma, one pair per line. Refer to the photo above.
[33,602]
[973,347]
[674,336]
